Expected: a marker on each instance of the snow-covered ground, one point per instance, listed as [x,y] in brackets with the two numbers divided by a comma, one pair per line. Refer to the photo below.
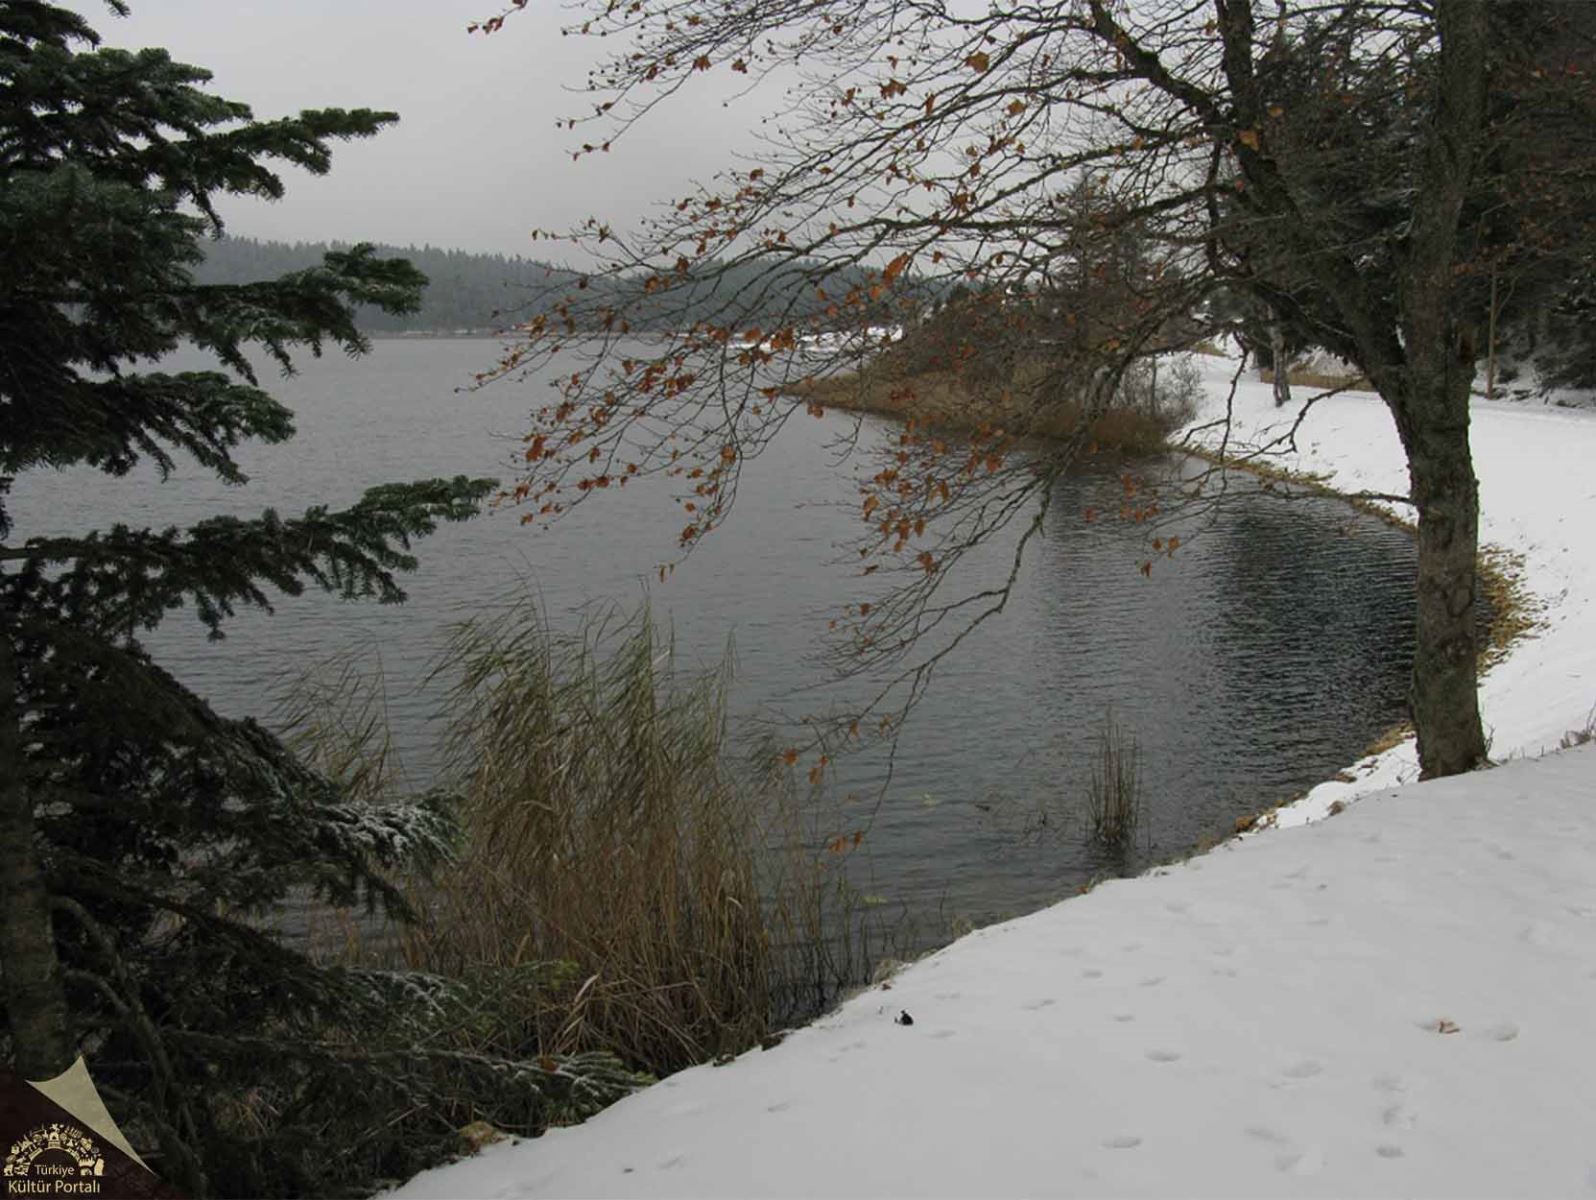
[1392,1001]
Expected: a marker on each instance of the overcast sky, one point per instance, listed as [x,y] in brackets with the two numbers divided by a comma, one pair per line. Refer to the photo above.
[475,161]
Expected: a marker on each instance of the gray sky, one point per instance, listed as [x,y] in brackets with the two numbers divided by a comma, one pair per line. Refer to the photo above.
[475,161]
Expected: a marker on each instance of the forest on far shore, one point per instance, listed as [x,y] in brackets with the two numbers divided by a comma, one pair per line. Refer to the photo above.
[482,293]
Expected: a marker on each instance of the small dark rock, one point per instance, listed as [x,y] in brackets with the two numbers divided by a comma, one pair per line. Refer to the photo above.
[903,1018]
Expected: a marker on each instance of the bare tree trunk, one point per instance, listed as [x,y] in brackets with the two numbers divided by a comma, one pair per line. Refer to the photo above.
[1445,689]
[1431,406]
[34,1000]
[1490,343]
[1277,352]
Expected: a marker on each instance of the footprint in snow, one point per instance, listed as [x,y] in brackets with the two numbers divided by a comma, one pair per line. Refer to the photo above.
[1033,1005]
[1388,1150]
[1122,1141]
[1306,1069]
[1091,973]
[1122,1018]
[1397,1116]
[1301,1162]
[779,1106]
[1263,1133]
[1164,1056]
[1152,981]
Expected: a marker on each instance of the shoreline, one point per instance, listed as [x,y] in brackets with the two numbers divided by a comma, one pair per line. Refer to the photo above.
[1523,593]
[1313,975]
[1516,614]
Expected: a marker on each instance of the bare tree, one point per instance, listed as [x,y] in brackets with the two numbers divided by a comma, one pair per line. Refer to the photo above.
[1356,169]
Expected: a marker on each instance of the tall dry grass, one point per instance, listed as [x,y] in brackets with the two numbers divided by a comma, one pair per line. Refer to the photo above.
[627,882]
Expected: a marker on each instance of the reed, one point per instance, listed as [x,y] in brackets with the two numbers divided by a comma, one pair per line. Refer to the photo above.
[1114,807]
[627,882]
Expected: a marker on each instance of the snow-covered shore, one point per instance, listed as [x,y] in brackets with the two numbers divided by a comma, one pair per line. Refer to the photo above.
[1394,1000]
[1537,499]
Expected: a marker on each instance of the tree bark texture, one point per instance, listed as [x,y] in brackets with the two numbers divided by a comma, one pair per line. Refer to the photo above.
[1277,355]
[1445,690]
[1431,405]
[35,1001]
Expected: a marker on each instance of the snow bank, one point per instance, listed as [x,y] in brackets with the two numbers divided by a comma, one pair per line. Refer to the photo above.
[1392,1001]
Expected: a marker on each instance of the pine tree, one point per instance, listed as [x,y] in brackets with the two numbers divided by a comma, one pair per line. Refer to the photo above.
[143,832]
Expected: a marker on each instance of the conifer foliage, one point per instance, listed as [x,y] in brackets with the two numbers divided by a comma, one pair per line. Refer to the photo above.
[144,834]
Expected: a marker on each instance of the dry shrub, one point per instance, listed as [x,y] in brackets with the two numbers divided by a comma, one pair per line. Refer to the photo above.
[1031,398]
[1582,736]
[1312,376]
[1122,431]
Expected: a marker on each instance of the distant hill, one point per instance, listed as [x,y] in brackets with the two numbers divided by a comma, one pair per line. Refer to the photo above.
[465,292]
[480,293]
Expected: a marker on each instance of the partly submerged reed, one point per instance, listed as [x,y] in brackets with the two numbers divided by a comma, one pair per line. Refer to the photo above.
[1113,785]
[627,882]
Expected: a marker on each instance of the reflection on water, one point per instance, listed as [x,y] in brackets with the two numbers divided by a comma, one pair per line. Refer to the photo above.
[1264,656]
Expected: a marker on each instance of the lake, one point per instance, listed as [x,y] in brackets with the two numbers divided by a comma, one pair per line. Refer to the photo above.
[1261,658]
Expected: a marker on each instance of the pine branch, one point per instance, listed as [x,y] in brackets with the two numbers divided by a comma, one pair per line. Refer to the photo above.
[111,424]
[125,578]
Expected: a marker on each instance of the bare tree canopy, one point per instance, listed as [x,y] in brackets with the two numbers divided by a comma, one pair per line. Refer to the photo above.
[1103,182]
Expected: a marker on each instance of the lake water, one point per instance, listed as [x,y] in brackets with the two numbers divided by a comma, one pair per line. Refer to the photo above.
[1260,659]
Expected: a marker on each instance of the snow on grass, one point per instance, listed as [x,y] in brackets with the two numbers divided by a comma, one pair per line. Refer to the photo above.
[1394,1001]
